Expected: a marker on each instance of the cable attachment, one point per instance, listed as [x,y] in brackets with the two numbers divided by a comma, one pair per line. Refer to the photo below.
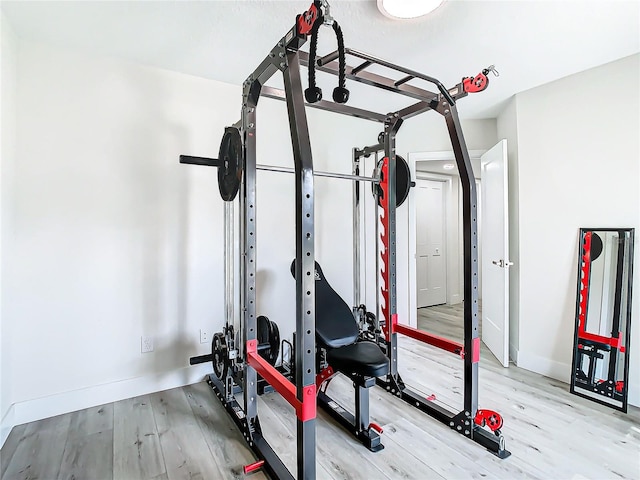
[480,82]
[340,93]
[492,69]
[313,94]
[328,19]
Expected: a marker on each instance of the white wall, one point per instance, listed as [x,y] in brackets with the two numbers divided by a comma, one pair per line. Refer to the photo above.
[8,69]
[112,238]
[578,154]
[428,133]
[507,129]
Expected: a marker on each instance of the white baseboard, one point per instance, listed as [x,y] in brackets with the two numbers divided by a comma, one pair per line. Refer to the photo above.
[71,401]
[6,424]
[544,366]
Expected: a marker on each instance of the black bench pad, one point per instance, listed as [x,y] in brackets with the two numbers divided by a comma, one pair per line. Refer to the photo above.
[362,358]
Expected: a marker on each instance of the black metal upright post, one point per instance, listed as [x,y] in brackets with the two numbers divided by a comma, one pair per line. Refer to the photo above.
[250,96]
[248,262]
[391,126]
[305,340]
[628,246]
[470,247]
[615,321]
[355,169]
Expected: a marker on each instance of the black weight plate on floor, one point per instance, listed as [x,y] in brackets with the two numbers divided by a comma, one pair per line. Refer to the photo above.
[263,329]
[230,175]
[268,337]
[219,356]
[403,182]
[274,341]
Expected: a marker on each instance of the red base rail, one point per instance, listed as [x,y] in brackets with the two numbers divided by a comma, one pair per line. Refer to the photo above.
[435,340]
[305,409]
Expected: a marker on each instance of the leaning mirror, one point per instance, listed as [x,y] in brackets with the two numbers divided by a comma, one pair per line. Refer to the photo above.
[603,316]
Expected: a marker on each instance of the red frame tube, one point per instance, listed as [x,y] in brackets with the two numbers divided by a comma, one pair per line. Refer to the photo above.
[435,340]
[305,409]
[613,342]
[585,269]
[584,301]
[384,239]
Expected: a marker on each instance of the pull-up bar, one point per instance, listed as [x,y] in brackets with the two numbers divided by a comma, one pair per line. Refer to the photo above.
[370,60]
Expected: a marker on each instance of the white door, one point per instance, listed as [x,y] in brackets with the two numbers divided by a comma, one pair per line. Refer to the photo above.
[431,270]
[495,252]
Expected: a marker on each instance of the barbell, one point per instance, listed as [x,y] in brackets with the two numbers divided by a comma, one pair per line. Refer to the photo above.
[230,164]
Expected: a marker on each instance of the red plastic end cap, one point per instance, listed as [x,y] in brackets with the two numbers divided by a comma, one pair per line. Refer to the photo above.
[394,322]
[376,427]
[475,347]
[253,466]
[617,342]
[307,409]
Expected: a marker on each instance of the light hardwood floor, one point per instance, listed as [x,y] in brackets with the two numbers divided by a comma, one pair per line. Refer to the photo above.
[445,320]
[185,433]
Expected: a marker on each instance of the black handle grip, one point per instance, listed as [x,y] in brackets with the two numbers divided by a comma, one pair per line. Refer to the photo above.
[207,162]
[200,359]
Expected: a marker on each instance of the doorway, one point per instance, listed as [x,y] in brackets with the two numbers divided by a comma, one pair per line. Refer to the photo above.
[445,319]
[438,195]
[431,265]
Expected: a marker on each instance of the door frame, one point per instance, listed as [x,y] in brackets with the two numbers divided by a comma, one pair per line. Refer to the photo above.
[412,158]
[447,183]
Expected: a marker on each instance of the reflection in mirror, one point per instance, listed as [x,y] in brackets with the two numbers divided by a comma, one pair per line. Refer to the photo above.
[439,251]
[603,316]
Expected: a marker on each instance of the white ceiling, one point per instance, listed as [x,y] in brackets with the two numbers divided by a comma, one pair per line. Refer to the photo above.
[530,42]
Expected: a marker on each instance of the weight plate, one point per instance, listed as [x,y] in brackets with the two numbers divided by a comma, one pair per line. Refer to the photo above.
[219,355]
[268,339]
[596,246]
[230,174]
[274,341]
[403,181]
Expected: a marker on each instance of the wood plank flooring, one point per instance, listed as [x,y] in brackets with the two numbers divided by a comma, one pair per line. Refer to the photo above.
[445,320]
[185,433]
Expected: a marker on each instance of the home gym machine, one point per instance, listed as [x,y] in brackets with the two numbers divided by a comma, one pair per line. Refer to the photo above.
[328,340]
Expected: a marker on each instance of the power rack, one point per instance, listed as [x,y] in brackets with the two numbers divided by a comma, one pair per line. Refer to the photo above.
[243,361]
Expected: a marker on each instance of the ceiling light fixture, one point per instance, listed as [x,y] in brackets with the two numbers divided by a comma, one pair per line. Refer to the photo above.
[407,8]
[448,166]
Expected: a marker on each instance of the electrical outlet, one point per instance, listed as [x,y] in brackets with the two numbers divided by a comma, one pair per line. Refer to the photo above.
[146,344]
[205,336]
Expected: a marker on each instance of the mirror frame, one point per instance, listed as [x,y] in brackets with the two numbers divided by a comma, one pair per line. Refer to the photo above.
[617,345]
